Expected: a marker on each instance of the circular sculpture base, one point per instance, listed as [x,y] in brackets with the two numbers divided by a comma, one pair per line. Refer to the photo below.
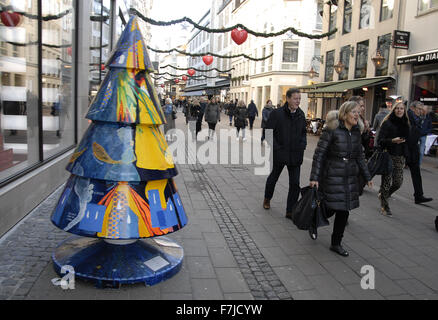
[110,264]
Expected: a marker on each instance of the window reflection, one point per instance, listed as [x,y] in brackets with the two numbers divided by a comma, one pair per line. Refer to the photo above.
[384,44]
[18,90]
[366,11]
[329,66]
[361,59]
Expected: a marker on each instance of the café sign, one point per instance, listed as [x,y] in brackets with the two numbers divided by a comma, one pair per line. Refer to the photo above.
[421,58]
[401,39]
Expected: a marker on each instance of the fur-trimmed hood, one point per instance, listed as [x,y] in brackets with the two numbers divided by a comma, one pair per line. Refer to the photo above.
[332,121]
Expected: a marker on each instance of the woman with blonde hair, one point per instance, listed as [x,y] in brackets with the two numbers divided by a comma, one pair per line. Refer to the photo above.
[393,135]
[337,163]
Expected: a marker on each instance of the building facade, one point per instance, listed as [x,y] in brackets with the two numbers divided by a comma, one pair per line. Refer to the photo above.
[292,55]
[44,97]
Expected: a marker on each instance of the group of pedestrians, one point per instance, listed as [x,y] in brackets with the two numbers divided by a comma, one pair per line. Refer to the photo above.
[339,158]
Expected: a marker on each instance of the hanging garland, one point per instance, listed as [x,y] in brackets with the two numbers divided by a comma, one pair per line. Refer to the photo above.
[209,53]
[34,16]
[196,69]
[237,26]
[179,75]
[56,46]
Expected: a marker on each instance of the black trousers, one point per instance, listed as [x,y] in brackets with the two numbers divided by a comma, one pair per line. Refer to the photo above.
[341,218]
[251,122]
[294,184]
[415,170]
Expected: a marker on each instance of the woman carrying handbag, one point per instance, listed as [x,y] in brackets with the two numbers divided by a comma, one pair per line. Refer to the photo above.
[337,162]
[393,135]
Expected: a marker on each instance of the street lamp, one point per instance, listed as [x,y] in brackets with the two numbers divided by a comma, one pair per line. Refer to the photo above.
[312,73]
[339,67]
[378,60]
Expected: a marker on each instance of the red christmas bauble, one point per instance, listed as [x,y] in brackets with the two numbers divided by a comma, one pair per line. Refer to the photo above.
[102,67]
[207,59]
[239,36]
[191,72]
[176,80]
[184,78]
[162,86]
[10,19]
[69,51]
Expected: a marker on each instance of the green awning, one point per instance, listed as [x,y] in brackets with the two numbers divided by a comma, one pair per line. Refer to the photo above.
[343,86]
[311,87]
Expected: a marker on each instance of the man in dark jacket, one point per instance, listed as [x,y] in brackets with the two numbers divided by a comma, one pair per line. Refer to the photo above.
[413,159]
[289,135]
[252,113]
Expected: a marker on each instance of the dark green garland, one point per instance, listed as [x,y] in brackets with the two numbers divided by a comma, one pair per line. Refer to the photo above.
[239,25]
[196,69]
[35,17]
[211,54]
[180,75]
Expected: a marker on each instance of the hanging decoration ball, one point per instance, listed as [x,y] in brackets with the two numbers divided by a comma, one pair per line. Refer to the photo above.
[10,19]
[69,51]
[239,36]
[184,77]
[162,86]
[207,59]
[176,80]
[102,67]
[191,72]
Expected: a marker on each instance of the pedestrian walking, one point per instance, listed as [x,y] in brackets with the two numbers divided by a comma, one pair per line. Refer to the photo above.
[241,119]
[265,116]
[384,110]
[168,110]
[212,115]
[413,159]
[337,162]
[426,129]
[231,108]
[393,135]
[203,105]
[290,140]
[252,113]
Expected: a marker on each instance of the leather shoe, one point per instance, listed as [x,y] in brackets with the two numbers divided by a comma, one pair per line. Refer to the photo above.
[267,203]
[289,215]
[422,199]
[339,250]
[313,233]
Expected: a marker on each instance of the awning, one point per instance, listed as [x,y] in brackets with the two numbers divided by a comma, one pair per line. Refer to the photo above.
[314,86]
[338,88]
[193,93]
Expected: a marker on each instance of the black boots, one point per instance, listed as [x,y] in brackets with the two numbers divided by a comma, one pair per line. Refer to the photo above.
[339,250]
[422,199]
[313,233]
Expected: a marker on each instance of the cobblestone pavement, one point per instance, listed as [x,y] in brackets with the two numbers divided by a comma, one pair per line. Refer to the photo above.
[234,249]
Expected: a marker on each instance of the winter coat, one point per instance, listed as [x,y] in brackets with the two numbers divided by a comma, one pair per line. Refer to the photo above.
[414,136]
[252,110]
[240,117]
[337,162]
[393,128]
[231,109]
[289,135]
[378,119]
[212,113]
[265,114]
[426,125]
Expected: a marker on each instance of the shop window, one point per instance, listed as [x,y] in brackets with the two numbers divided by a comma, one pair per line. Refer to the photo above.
[424,5]
[348,13]
[386,8]
[330,61]
[425,89]
[384,45]
[361,59]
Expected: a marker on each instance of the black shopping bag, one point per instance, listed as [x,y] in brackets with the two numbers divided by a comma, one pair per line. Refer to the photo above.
[309,210]
[380,163]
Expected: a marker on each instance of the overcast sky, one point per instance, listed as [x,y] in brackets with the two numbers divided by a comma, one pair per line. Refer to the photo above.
[165,10]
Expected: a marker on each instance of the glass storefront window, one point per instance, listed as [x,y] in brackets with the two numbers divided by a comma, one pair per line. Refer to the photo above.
[19,91]
[57,78]
[425,88]
[424,5]
[361,59]
[329,65]
[384,44]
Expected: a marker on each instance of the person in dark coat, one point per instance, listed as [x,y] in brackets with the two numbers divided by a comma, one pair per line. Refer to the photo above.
[241,119]
[337,162]
[231,108]
[426,129]
[265,116]
[413,159]
[290,141]
[212,115]
[252,113]
[203,105]
[393,134]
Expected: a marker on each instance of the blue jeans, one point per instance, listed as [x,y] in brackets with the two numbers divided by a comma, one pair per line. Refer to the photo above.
[422,148]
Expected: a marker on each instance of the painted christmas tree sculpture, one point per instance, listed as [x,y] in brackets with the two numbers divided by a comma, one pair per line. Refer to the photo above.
[121,187]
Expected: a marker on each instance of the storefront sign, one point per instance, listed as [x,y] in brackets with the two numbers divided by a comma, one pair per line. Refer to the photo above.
[422,58]
[401,39]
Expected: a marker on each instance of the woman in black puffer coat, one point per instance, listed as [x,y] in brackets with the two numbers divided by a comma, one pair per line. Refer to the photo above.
[337,162]
[393,135]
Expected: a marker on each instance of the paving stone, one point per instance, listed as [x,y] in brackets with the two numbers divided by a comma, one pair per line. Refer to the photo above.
[330,288]
[360,294]
[231,280]
[341,272]
[206,289]
[200,267]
